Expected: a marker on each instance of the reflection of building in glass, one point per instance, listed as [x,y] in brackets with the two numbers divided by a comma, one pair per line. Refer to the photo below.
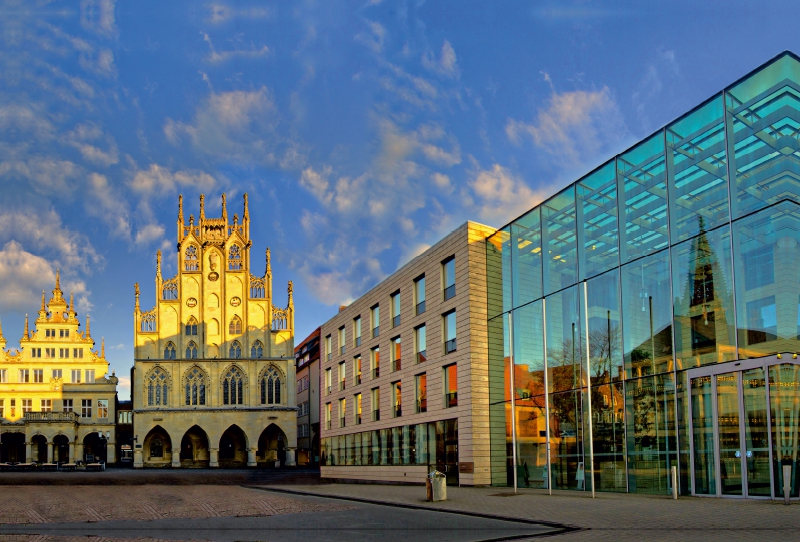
[651,310]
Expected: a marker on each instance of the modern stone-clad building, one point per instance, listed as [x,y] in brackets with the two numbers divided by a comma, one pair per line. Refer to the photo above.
[214,373]
[307,367]
[404,373]
[57,400]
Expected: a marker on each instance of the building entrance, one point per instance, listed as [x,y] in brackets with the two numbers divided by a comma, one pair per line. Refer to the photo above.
[744,427]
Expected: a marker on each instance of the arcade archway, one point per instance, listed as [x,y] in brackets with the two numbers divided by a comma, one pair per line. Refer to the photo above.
[39,449]
[157,448]
[12,447]
[233,448]
[194,448]
[61,449]
[271,446]
[94,448]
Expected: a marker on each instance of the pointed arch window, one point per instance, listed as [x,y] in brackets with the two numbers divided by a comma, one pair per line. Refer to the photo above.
[235,327]
[191,350]
[157,388]
[233,387]
[190,261]
[271,385]
[195,387]
[169,351]
[234,258]
[236,350]
[191,326]
[257,350]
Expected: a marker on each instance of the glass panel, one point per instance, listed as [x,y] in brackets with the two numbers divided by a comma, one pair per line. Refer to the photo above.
[685,464]
[566,440]
[608,434]
[527,258]
[564,339]
[784,398]
[605,334]
[705,478]
[697,170]
[498,272]
[702,279]
[763,119]
[730,442]
[767,267]
[647,316]
[528,351]
[642,182]
[598,234]
[560,241]
[756,432]
[650,417]
[531,420]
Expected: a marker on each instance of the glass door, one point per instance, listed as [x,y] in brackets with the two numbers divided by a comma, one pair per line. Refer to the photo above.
[729,434]
[756,433]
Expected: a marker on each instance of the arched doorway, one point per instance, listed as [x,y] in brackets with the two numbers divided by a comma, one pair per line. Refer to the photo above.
[12,448]
[194,448]
[271,446]
[157,448]
[39,449]
[233,448]
[94,448]
[60,449]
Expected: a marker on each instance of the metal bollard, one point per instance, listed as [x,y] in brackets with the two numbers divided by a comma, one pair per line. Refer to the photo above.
[675,482]
[787,483]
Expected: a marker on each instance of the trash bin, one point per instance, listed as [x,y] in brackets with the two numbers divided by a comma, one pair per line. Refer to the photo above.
[436,486]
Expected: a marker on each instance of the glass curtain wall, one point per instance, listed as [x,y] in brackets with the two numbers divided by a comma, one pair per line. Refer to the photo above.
[682,252]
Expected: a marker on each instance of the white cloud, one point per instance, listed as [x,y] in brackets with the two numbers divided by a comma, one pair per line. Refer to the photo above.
[47,175]
[105,203]
[499,195]
[218,57]
[374,37]
[149,233]
[98,16]
[159,180]
[221,13]
[574,127]
[446,65]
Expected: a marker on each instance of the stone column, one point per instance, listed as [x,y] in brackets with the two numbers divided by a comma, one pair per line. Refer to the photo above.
[138,460]
[111,452]
[50,446]
[28,452]
[78,452]
[290,457]
[214,457]
[176,458]
[71,458]
[251,457]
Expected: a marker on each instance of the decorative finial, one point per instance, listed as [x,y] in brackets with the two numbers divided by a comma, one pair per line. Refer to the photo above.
[235,219]
[103,347]
[191,220]
[268,272]
[291,293]
[72,301]
[202,207]
[158,264]
[224,209]
[43,309]
[180,209]
[1,331]
[136,287]
[58,279]
[88,327]
[246,215]
[26,334]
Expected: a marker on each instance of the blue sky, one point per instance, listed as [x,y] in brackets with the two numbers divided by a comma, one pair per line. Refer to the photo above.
[362,131]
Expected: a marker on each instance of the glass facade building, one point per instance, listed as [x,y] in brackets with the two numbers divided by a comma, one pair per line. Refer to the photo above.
[648,316]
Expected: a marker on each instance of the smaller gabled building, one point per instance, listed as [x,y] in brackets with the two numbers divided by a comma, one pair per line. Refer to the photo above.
[307,368]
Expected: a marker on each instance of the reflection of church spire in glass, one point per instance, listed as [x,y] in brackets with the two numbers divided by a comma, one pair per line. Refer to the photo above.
[702,276]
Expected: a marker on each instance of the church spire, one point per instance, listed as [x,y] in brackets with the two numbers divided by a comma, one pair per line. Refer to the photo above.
[136,287]
[224,209]
[158,264]
[180,209]
[202,207]
[246,215]
[268,272]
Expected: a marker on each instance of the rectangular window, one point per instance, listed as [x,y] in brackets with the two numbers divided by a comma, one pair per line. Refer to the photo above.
[375,320]
[50,353]
[24,375]
[86,408]
[342,412]
[342,374]
[419,295]
[328,381]
[341,340]
[36,352]
[77,353]
[449,331]
[327,415]
[395,307]
[76,376]
[56,373]
[102,408]
[67,405]
[63,333]
[422,392]
[38,376]
[357,331]
[299,385]
[397,399]
[357,408]
[396,354]
[46,405]
[449,277]
[89,374]
[420,344]
[27,406]
[2,408]
[376,404]
[357,370]
[63,353]
[450,386]
[3,376]
[13,407]
[375,362]
[50,333]
[328,347]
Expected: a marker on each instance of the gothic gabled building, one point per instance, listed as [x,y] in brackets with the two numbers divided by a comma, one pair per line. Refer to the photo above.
[214,370]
